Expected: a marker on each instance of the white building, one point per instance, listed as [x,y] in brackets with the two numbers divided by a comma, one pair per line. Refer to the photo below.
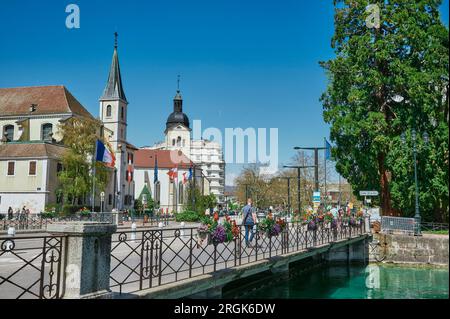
[31,144]
[167,193]
[206,155]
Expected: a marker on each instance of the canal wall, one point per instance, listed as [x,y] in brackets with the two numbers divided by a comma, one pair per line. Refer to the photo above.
[397,248]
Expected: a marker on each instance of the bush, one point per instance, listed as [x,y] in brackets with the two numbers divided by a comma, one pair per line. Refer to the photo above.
[188,216]
[48,215]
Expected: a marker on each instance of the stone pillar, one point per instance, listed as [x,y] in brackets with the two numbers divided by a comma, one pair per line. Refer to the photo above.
[87,258]
[357,252]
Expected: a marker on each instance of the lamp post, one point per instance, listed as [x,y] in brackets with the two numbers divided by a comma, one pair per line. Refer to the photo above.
[417,216]
[288,191]
[298,183]
[316,163]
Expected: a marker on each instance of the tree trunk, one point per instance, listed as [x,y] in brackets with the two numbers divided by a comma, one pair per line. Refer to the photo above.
[386,208]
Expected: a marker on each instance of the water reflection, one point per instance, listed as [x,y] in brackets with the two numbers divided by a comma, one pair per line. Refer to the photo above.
[353,282]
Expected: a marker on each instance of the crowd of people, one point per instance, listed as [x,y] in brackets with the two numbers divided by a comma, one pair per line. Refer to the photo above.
[20,215]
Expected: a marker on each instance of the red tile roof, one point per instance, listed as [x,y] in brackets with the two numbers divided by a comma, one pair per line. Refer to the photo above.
[49,99]
[166,159]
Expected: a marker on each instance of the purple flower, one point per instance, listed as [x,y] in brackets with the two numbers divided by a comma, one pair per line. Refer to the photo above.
[219,234]
[276,230]
[312,225]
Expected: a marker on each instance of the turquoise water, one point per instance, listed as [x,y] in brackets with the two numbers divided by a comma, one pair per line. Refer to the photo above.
[353,282]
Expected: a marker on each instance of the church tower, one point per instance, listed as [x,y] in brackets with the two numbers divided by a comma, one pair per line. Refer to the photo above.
[113,114]
[178,132]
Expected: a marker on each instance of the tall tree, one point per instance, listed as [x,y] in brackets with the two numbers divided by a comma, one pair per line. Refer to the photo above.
[80,135]
[386,79]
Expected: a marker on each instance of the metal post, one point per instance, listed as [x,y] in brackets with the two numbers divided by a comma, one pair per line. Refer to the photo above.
[316,169]
[298,191]
[417,210]
[289,194]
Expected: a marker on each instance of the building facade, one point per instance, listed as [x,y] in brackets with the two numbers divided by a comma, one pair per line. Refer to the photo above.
[206,155]
[168,193]
[31,145]
[30,148]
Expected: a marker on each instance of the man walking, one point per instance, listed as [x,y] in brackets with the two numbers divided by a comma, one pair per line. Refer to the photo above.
[249,222]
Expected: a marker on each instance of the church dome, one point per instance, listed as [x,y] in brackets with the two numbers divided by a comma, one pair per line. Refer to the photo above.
[177,118]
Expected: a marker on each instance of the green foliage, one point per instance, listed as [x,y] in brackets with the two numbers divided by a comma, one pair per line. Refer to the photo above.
[188,216]
[139,206]
[80,135]
[201,203]
[407,56]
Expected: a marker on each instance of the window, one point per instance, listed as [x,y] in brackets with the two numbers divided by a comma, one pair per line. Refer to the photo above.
[32,168]
[180,193]
[184,142]
[108,111]
[173,142]
[47,132]
[11,167]
[121,112]
[8,132]
[110,199]
[179,141]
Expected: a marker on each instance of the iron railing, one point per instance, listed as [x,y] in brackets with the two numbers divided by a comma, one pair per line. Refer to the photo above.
[404,225]
[154,257]
[39,223]
[31,267]
[433,226]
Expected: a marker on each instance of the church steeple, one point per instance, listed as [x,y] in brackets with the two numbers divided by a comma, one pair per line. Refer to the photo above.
[114,87]
[177,116]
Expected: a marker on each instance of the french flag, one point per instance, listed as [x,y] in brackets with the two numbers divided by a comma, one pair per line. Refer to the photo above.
[104,155]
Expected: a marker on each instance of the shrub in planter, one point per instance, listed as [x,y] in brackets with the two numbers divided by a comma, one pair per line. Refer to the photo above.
[188,216]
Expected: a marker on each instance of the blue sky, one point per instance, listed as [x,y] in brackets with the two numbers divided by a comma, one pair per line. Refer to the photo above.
[243,64]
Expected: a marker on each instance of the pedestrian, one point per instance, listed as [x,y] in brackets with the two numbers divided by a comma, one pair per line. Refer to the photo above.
[10,213]
[249,221]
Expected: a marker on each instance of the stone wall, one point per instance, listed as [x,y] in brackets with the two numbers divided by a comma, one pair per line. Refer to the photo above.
[426,249]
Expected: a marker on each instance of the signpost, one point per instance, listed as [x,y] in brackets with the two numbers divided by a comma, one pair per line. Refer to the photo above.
[316,199]
[368,194]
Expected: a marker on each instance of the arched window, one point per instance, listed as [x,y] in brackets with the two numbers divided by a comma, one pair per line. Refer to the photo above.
[121,112]
[179,141]
[108,111]
[180,193]
[8,133]
[184,142]
[47,132]
[173,142]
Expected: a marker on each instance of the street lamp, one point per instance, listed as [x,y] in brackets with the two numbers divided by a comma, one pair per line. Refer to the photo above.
[316,163]
[298,183]
[417,209]
[288,178]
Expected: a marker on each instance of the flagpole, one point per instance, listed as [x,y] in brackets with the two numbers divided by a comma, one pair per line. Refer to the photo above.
[93,179]
[325,159]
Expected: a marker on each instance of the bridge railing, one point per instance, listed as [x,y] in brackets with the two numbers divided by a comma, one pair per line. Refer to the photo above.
[149,258]
[34,267]
[31,267]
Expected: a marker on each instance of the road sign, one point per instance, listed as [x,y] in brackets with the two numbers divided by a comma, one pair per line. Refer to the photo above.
[368,193]
[316,197]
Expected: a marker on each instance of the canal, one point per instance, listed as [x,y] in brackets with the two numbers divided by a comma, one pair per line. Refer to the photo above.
[348,282]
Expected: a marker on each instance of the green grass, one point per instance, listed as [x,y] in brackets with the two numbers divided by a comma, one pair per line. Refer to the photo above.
[436,232]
